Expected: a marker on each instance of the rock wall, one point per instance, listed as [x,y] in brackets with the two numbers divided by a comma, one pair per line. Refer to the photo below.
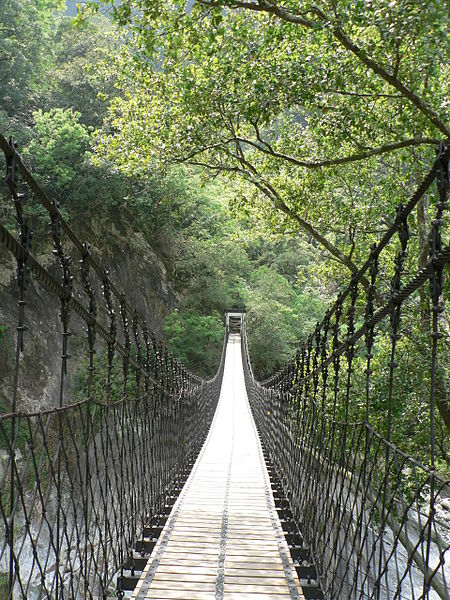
[134,267]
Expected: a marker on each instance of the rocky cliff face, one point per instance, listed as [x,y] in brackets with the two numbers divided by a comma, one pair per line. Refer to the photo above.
[134,267]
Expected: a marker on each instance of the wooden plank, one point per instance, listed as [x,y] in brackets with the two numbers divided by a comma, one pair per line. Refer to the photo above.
[189,551]
[184,585]
[158,594]
[248,562]
[191,569]
[176,559]
[248,596]
[163,576]
[249,587]
[268,574]
[195,535]
[259,553]
[259,582]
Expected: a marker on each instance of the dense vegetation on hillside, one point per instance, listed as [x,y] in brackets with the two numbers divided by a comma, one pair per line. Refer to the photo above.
[260,149]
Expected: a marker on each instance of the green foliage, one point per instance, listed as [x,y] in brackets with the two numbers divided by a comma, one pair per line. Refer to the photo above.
[25,47]
[222,260]
[59,146]
[270,321]
[411,392]
[46,63]
[279,318]
[268,97]
[59,154]
[195,339]
[54,93]
[80,79]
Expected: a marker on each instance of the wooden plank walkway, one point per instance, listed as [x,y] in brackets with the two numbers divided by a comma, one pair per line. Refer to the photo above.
[223,539]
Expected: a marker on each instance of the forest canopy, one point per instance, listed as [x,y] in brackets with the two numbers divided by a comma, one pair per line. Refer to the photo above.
[327,112]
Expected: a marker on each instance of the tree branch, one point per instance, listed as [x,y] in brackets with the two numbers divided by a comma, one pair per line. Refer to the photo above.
[251,175]
[391,79]
[337,161]
[199,151]
[362,95]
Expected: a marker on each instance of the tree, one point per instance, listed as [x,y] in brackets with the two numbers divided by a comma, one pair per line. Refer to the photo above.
[58,147]
[330,111]
[277,95]
[25,32]
[195,339]
[79,79]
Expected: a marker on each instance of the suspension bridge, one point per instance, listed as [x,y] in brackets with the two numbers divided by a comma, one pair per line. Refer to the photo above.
[158,484]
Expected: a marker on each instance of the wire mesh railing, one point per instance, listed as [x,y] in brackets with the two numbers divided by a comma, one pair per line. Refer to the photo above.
[80,480]
[371,378]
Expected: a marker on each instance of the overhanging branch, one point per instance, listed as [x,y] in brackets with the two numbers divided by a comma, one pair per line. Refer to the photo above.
[266,148]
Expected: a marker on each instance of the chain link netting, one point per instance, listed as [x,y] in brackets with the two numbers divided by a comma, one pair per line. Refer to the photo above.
[81,480]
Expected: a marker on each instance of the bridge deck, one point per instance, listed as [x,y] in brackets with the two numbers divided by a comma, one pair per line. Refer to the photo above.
[223,538]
